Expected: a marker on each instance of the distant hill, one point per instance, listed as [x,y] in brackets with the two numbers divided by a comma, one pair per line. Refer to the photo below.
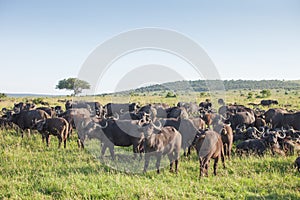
[198,86]
[201,85]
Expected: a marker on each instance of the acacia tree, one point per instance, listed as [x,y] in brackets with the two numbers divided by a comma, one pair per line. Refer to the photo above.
[74,84]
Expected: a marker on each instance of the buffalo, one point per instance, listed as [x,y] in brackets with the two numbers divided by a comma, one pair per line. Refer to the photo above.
[206,105]
[166,141]
[240,118]
[112,108]
[226,135]
[268,102]
[185,127]
[25,119]
[291,119]
[95,108]
[53,126]
[50,111]
[273,116]
[148,110]
[115,133]
[241,133]
[209,146]
[177,112]
[269,140]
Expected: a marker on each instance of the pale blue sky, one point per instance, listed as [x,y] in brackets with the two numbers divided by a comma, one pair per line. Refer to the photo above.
[42,42]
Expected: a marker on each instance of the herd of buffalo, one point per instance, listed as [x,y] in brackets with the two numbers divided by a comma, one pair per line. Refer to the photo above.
[160,129]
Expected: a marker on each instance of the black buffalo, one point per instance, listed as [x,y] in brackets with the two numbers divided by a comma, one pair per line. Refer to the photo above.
[117,108]
[115,133]
[268,102]
[25,119]
[177,112]
[240,118]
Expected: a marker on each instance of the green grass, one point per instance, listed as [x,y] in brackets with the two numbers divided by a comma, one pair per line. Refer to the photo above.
[29,170]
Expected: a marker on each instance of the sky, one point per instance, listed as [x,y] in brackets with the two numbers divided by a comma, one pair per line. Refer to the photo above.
[42,42]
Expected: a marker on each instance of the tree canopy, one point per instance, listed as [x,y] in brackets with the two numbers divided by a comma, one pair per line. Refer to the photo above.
[74,84]
[2,95]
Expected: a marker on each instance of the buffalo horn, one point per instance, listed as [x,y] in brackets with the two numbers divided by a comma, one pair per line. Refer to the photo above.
[106,124]
[264,135]
[258,130]
[157,127]
[118,116]
[281,136]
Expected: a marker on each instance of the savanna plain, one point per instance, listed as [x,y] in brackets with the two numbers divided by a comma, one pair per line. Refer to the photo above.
[30,170]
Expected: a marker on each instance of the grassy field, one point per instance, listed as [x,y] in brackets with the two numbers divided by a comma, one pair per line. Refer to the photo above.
[29,170]
[286,98]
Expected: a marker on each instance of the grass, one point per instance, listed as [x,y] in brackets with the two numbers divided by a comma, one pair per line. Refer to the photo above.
[29,170]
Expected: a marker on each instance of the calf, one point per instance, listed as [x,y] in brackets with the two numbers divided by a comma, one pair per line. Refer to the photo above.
[166,141]
[208,145]
[54,126]
[227,137]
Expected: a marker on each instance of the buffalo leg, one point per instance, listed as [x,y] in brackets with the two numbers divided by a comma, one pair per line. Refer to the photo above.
[78,143]
[158,158]
[200,167]
[29,130]
[47,140]
[176,158]
[229,151]
[103,149]
[189,151]
[185,154]
[176,165]
[43,137]
[135,150]
[206,166]
[112,152]
[59,141]
[216,165]
[223,160]
[225,149]
[147,158]
[171,159]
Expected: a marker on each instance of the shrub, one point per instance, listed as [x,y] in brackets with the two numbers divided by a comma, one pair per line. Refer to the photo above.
[170,95]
